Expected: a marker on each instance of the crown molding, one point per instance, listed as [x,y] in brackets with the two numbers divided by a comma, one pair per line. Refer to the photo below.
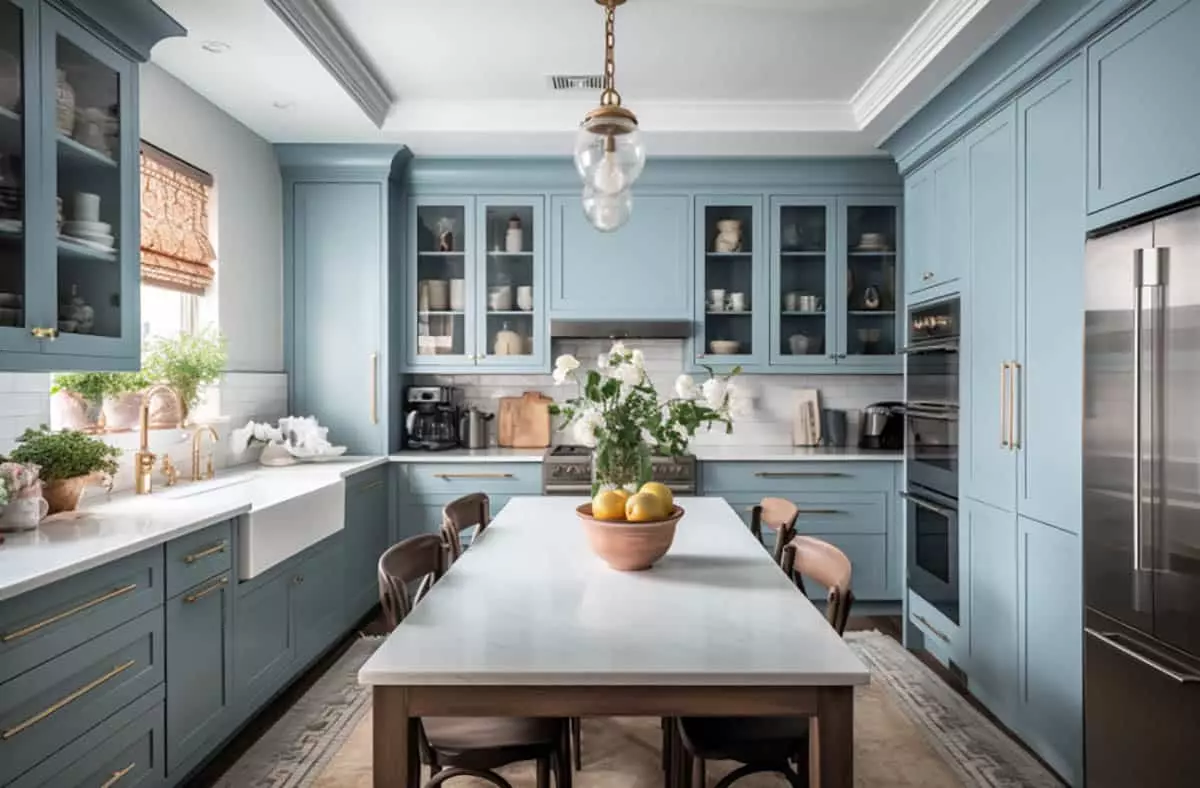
[325,38]
[935,29]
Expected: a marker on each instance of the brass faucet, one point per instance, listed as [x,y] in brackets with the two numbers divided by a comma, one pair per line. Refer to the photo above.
[143,461]
[197,439]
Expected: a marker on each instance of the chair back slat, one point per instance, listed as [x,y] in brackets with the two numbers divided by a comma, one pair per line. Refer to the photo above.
[780,516]
[469,511]
[418,559]
[825,564]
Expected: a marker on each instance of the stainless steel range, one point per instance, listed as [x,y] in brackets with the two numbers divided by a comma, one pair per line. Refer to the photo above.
[567,470]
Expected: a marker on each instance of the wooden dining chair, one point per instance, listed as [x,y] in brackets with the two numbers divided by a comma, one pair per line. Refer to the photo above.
[466,746]
[780,516]
[469,511]
[767,744]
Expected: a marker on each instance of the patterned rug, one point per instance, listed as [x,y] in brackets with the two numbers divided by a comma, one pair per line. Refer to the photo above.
[911,731]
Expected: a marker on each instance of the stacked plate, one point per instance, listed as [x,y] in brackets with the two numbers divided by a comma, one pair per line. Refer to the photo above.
[94,235]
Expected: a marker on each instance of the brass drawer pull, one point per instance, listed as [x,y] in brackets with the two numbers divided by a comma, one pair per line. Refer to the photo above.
[372,486]
[65,700]
[374,388]
[799,475]
[194,557]
[821,511]
[931,628]
[449,476]
[117,775]
[224,581]
[20,633]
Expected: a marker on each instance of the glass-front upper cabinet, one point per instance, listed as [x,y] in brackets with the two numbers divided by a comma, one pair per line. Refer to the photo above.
[803,282]
[442,284]
[730,296]
[870,324]
[512,297]
[17,169]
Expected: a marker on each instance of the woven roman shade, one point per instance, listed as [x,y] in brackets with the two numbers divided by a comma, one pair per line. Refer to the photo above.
[176,252]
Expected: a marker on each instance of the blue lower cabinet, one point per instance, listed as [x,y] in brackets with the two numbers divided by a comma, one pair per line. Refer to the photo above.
[126,750]
[263,637]
[46,708]
[992,598]
[196,557]
[199,666]
[319,599]
[366,537]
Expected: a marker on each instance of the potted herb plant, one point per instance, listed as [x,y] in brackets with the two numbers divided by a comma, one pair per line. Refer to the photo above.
[187,363]
[69,460]
[123,400]
[77,399]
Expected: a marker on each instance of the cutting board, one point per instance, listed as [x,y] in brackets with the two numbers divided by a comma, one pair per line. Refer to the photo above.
[525,421]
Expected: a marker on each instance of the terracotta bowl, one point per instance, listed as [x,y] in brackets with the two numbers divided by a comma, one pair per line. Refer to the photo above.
[629,547]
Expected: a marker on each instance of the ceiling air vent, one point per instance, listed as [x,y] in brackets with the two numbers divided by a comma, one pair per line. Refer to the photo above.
[576,81]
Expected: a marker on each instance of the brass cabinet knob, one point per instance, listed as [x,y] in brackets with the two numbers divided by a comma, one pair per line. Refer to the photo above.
[44,333]
[927,276]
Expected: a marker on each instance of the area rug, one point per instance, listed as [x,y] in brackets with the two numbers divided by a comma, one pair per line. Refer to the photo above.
[911,731]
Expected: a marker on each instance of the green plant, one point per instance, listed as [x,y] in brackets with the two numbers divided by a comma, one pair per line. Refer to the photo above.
[186,362]
[66,454]
[95,386]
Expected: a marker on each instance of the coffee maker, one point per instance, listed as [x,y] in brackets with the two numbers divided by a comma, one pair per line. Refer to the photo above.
[431,416]
[881,426]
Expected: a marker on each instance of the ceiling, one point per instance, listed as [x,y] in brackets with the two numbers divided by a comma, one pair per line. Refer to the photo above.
[727,77]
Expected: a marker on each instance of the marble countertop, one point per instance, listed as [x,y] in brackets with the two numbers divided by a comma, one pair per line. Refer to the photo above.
[108,529]
[714,611]
[492,454]
[793,453]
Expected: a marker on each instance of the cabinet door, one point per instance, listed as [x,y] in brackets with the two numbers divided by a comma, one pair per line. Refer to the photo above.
[199,667]
[990,341]
[1141,130]
[803,282]
[992,598]
[1049,379]
[20,179]
[1049,575]
[730,298]
[950,216]
[512,324]
[869,331]
[366,537]
[339,264]
[319,599]
[920,208]
[442,287]
[92,156]
[643,270]
[264,641]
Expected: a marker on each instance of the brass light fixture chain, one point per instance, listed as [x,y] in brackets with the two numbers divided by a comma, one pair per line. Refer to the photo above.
[610,96]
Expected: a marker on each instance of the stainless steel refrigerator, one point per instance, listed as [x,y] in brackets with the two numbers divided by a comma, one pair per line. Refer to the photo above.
[1141,504]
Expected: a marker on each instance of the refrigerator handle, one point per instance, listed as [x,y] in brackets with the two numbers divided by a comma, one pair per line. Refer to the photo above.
[1111,639]
[1147,273]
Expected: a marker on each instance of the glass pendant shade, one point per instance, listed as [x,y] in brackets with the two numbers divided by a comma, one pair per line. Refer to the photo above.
[609,152]
[607,212]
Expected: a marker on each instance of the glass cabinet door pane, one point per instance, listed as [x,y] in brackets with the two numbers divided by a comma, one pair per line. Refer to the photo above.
[803,266]
[510,244]
[443,294]
[88,148]
[12,169]
[871,280]
[729,280]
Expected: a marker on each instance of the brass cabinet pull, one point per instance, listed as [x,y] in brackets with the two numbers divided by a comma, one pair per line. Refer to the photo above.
[1014,408]
[117,775]
[448,476]
[220,547]
[190,598]
[1004,404]
[44,333]
[65,700]
[20,633]
[931,628]
[799,475]
[374,388]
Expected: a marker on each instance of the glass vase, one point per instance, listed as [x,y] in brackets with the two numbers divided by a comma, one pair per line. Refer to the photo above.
[620,465]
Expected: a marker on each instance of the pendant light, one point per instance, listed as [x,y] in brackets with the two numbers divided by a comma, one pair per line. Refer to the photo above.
[609,153]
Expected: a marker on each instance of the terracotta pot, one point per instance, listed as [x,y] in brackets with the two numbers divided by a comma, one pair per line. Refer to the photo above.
[72,412]
[121,412]
[167,412]
[629,547]
[63,494]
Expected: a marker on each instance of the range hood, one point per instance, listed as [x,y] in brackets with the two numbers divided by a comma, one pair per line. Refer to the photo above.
[620,329]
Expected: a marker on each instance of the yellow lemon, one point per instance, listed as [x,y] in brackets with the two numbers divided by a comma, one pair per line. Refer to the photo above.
[660,491]
[644,508]
[621,491]
[608,505]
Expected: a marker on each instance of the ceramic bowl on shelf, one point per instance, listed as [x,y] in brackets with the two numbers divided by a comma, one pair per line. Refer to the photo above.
[98,228]
[724,347]
[798,344]
[96,238]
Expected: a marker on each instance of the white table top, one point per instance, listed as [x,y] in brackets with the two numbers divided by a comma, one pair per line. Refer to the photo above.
[530,604]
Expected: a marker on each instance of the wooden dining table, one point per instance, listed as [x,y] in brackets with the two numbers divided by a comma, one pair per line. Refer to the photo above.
[529,622]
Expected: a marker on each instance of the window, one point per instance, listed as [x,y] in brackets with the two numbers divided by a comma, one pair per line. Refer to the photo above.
[168,313]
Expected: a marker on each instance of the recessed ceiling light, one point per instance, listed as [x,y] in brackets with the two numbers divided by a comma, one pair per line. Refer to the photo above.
[215,47]
[283,104]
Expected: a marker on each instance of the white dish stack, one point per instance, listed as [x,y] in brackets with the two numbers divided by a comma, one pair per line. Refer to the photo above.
[86,228]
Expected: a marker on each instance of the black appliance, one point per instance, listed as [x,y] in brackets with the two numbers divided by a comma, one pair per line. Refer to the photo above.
[881,426]
[431,417]
[1141,504]
[931,451]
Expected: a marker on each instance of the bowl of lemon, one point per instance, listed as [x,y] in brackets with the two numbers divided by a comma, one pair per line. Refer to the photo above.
[630,531]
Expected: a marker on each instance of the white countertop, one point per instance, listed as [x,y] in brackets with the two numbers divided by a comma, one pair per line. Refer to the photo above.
[126,523]
[493,454]
[793,453]
[530,604]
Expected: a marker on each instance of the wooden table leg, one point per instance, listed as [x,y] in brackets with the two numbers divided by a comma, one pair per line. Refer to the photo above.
[835,716]
[397,764]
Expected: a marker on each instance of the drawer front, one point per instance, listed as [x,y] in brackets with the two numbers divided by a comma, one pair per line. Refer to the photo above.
[796,477]
[49,621]
[200,663]
[196,557]
[47,707]
[125,751]
[850,513]
[453,479]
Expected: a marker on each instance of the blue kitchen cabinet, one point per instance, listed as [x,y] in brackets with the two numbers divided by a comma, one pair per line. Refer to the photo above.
[1050,635]
[199,653]
[988,463]
[731,298]
[804,268]
[920,230]
[1142,116]
[367,536]
[319,598]
[643,270]
[867,297]
[935,226]
[991,596]
[264,636]
[338,250]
